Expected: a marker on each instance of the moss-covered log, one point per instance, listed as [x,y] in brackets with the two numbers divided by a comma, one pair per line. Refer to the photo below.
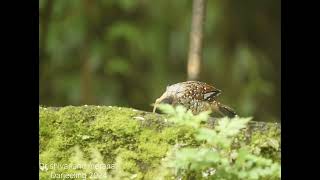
[128,141]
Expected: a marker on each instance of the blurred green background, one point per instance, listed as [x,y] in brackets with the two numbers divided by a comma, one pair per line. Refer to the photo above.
[125,52]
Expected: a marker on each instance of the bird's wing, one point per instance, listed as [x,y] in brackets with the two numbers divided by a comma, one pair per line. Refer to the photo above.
[203,90]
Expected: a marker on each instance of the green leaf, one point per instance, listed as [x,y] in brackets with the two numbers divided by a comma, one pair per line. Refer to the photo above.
[196,158]
[206,134]
[231,127]
[167,109]
[203,116]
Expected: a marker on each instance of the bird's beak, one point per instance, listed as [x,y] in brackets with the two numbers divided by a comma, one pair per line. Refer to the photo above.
[155,104]
[158,101]
[165,98]
[154,107]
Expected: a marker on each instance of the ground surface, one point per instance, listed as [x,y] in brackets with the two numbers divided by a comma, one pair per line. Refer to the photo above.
[126,140]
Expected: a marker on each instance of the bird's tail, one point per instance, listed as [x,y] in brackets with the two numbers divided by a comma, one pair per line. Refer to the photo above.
[226,111]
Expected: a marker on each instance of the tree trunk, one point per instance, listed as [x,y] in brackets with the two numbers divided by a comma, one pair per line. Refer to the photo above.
[196,36]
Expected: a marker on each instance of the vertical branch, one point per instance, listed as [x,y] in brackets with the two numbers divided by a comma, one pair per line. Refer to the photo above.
[196,35]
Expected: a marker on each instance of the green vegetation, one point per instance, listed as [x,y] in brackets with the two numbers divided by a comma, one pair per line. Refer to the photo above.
[216,158]
[134,144]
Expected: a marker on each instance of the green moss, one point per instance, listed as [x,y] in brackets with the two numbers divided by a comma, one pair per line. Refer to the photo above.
[132,140]
[267,142]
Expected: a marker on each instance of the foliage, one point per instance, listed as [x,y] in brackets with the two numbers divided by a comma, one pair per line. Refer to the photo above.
[216,158]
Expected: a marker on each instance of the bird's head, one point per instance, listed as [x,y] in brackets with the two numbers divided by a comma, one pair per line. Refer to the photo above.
[166,98]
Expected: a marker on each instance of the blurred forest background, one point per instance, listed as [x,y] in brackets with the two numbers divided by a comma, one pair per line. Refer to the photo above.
[125,52]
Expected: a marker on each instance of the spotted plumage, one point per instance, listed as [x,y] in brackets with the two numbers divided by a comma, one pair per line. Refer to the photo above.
[196,96]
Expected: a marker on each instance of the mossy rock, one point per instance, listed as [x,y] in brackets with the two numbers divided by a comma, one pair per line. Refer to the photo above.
[129,143]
